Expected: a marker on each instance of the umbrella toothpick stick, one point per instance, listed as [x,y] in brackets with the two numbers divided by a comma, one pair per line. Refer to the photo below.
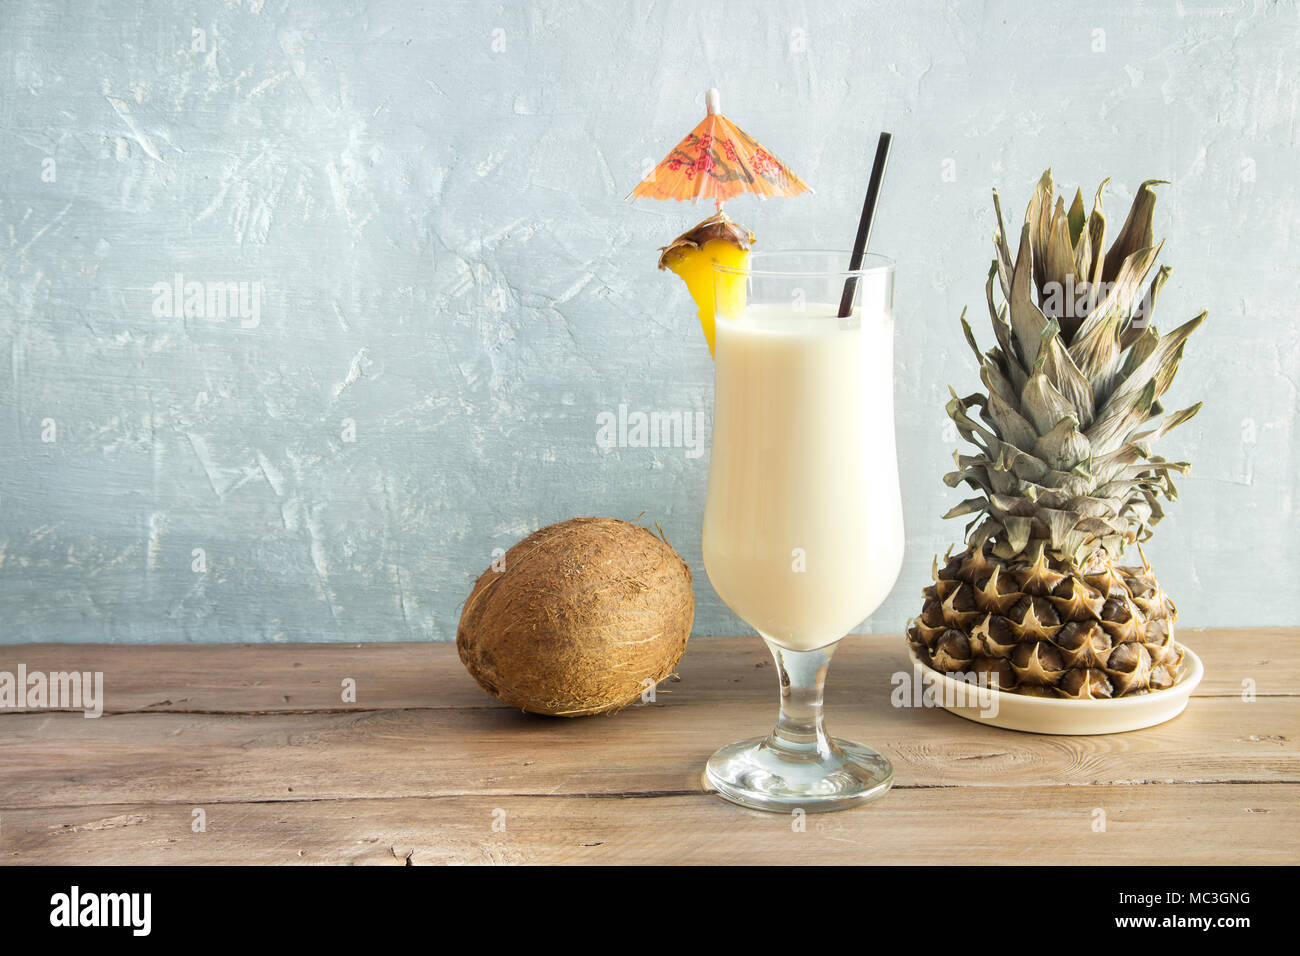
[712,105]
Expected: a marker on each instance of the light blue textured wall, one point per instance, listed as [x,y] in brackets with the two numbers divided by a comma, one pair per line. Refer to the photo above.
[431,198]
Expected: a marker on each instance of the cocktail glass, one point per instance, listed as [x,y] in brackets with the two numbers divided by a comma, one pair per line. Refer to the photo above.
[803,527]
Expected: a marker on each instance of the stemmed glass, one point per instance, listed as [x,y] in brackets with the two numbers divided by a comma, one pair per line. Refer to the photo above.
[803,527]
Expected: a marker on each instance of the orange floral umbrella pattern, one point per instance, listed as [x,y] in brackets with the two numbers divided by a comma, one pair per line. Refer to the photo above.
[718,160]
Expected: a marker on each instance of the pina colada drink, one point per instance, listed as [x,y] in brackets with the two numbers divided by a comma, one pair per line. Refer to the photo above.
[803,528]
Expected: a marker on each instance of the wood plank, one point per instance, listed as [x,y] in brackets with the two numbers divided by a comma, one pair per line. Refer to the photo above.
[65,759]
[1176,824]
[289,773]
[288,678]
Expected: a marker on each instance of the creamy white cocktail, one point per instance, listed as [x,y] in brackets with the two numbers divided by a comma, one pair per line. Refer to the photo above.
[803,529]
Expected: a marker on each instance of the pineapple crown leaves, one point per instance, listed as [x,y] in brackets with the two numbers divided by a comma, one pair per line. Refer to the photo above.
[1062,431]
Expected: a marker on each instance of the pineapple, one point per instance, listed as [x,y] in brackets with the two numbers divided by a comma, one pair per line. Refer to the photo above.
[1064,475]
[691,256]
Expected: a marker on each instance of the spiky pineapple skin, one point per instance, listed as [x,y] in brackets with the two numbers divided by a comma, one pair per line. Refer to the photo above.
[1064,475]
[1045,628]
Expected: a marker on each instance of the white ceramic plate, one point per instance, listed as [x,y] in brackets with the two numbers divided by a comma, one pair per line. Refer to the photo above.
[1045,715]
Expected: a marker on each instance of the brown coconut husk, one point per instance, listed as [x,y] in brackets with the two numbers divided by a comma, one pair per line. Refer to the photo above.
[584,612]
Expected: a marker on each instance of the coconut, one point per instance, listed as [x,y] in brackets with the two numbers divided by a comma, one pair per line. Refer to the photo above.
[579,618]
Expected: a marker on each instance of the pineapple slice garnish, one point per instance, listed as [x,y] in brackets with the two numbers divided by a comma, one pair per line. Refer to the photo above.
[691,256]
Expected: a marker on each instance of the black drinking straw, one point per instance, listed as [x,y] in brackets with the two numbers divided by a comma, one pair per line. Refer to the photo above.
[864,224]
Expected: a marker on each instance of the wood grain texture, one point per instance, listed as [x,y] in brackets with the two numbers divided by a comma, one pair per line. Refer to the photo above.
[259,738]
[279,678]
[1183,824]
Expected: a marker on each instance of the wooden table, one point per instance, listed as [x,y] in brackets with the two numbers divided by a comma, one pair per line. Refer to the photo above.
[425,768]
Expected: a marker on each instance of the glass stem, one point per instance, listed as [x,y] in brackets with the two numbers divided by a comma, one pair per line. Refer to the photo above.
[800,734]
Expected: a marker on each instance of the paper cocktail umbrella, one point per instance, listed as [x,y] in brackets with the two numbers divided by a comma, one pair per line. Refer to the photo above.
[718,160]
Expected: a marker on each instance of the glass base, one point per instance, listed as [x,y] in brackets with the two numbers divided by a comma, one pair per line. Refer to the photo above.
[756,773]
